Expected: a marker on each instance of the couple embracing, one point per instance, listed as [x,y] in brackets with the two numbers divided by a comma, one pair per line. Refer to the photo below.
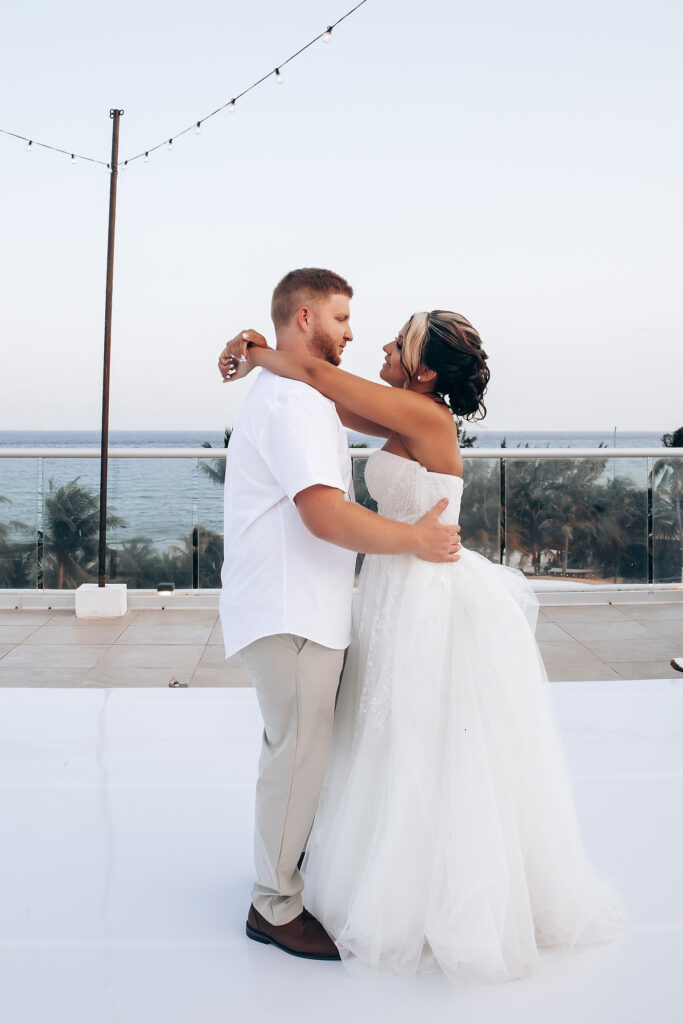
[423,801]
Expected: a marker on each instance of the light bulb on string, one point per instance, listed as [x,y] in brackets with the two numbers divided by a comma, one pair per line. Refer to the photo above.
[198,129]
[169,144]
[122,167]
[231,106]
[73,159]
[109,168]
[328,35]
[146,158]
[278,76]
[29,147]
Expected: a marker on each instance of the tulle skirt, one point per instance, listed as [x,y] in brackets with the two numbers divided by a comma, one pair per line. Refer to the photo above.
[446,836]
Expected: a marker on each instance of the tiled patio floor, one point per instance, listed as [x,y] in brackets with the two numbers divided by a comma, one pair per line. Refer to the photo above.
[145,648]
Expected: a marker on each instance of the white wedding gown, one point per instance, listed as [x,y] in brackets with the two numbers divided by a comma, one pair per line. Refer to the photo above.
[446,835]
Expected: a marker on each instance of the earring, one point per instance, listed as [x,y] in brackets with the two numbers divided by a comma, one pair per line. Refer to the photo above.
[419,377]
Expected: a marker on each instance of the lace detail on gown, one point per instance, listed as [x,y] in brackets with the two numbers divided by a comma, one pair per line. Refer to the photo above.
[404,491]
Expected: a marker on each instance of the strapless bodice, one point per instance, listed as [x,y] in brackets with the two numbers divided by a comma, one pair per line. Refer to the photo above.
[405,490]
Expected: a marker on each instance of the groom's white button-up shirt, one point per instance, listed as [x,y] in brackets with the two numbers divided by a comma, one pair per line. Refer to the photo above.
[277,577]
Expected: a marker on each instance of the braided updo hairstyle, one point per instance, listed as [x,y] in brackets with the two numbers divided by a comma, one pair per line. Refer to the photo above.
[448,344]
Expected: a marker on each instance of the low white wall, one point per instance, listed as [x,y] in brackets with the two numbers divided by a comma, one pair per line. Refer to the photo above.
[549,592]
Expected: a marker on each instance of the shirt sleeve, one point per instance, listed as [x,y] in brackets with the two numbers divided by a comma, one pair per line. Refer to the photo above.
[300,443]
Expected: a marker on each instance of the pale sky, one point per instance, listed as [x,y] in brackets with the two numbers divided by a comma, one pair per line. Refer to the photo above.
[518,163]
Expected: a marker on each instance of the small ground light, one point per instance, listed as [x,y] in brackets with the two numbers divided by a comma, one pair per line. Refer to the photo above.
[165,588]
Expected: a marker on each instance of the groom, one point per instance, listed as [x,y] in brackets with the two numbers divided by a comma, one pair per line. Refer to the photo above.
[292,530]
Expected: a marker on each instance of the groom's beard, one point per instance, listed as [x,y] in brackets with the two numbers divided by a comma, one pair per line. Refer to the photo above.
[324,347]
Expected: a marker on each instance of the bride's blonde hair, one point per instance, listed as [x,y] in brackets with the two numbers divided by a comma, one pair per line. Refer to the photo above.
[449,345]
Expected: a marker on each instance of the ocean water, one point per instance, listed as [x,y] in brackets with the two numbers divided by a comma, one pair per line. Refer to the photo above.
[162,499]
[195,438]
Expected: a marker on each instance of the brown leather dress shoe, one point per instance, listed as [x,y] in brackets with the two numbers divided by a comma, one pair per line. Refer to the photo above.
[304,936]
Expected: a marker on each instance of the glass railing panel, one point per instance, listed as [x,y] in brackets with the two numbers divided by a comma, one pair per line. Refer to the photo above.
[620,545]
[150,539]
[210,484]
[480,508]
[577,519]
[667,520]
[20,537]
[600,520]
[149,513]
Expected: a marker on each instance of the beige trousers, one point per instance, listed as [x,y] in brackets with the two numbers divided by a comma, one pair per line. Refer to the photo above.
[296,681]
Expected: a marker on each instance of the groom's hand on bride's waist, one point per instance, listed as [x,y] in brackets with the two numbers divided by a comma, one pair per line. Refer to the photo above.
[330,517]
[437,542]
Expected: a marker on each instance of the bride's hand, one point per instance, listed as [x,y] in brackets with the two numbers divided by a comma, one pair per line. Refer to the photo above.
[234,362]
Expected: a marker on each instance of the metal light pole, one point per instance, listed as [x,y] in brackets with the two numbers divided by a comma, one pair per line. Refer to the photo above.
[115,115]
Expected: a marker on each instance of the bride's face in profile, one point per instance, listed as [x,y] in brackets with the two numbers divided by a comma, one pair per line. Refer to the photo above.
[392,371]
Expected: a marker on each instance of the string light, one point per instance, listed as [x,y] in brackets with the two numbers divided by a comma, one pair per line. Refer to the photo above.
[230,105]
[73,159]
[31,145]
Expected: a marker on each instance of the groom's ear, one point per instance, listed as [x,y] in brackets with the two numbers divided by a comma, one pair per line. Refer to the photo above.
[303,315]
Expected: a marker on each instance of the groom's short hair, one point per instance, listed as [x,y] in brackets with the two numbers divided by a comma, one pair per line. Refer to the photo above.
[300,287]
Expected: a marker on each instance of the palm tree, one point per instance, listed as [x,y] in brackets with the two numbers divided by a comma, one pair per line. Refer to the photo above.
[480,509]
[620,542]
[465,440]
[666,483]
[215,470]
[4,532]
[529,513]
[136,563]
[549,505]
[210,557]
[206,549]
[72,532]
[674,440]
[18,559]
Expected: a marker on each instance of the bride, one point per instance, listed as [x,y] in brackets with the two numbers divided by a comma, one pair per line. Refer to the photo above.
[446,836]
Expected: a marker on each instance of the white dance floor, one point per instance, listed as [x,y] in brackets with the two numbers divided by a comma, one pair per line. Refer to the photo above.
[125,869]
